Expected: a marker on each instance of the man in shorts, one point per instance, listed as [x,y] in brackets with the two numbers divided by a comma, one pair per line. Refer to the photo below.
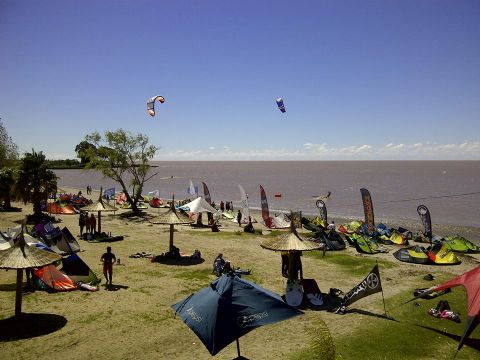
[108,259]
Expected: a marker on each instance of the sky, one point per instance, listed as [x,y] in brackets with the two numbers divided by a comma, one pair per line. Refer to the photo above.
[361,80]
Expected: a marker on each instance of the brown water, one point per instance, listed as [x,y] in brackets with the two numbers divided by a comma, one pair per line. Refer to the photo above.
[450,189]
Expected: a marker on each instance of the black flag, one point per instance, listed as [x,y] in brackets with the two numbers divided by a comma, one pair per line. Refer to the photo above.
[426,221]
[370,285]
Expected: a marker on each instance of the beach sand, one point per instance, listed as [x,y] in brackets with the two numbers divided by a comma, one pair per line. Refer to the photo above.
[136,322]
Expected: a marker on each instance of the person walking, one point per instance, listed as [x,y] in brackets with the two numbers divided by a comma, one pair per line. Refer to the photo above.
[108,259]
[239,218]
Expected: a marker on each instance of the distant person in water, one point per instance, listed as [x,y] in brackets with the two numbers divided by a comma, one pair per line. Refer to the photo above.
[108,259]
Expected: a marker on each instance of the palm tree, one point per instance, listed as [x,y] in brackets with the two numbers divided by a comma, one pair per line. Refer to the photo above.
[35,181]
[7,182]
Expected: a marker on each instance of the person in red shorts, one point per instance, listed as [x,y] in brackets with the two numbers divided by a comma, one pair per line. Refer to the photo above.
[108,259]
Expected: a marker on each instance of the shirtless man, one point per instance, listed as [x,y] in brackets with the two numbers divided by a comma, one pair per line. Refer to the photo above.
[108,259]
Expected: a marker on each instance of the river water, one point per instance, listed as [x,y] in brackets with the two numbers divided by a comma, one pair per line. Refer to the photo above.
[450,189]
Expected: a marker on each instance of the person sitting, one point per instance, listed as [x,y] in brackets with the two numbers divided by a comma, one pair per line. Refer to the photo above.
[215,227]
[249,228]
[227,268]
[196,254]
[218,265]
[331,226]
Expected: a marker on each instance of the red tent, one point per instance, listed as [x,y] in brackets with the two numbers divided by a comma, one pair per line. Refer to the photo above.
[471,282]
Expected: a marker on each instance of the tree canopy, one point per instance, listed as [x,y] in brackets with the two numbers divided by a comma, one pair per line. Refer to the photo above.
[122,157]
[8,149]
[35,182]
[8,157]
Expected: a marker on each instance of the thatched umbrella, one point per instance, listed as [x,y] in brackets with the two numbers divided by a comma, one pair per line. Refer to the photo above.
[290,242]
[100,205]
[22,256]
[172,218]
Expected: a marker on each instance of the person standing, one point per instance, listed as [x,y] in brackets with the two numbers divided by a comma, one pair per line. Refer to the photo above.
[87,223]
[239,218]
[81,222]
[108,259]
[297,266]
[93,224]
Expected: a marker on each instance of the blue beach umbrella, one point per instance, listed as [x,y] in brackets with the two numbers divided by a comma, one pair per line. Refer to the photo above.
[230,308]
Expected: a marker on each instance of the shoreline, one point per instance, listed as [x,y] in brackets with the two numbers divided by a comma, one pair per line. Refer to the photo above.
[471,233]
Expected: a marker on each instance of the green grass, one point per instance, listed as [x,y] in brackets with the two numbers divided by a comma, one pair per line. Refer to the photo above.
[194,275]
[350,264]
[90,319]
[321,345]
[427,336]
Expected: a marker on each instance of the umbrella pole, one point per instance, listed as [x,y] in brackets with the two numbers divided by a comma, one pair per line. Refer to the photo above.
[18,296]
[171,237]
[238,348]
[99,222]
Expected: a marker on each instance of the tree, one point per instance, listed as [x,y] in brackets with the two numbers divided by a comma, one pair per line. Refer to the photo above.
[35,182]
[7,182]
[81,150]
[119,155]
[8,158]
[8,149]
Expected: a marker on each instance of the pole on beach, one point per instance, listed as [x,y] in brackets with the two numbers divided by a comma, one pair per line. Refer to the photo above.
[383,297]
[18,295]
[171,237]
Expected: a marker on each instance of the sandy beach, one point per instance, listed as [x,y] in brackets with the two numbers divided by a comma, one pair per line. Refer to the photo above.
[135,320]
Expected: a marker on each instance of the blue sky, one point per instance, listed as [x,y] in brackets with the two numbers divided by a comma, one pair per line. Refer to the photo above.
[360,79]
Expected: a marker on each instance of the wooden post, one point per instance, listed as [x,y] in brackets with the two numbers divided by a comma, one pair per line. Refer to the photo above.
[99,222]
[171,237]
[238,348]
[18,296]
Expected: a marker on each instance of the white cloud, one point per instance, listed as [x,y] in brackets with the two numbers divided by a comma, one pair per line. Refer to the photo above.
[311,151]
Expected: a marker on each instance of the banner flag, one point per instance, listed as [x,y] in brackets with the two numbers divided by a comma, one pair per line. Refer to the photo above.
[206,193]
[422,210]
[368,210]
[370,285]
[322,208]
[264,202]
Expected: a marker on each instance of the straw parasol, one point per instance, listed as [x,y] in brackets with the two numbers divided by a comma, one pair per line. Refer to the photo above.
[99,206]
[172,218]
[22,256]
[290,242]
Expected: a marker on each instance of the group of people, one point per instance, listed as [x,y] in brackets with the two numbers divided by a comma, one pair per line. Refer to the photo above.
[89,223]
[221,266]
[89,189]
[226,206]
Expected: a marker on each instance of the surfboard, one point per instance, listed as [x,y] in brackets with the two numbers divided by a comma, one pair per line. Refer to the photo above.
[294,293]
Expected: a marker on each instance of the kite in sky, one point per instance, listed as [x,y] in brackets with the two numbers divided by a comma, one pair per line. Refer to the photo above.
[280,105]
[151,104]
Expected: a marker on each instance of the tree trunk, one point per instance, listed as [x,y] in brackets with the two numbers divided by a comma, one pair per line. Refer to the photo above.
[7,201]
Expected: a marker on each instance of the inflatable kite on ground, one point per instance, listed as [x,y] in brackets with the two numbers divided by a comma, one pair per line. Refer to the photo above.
[471,282]
[280,105]
[151,104]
